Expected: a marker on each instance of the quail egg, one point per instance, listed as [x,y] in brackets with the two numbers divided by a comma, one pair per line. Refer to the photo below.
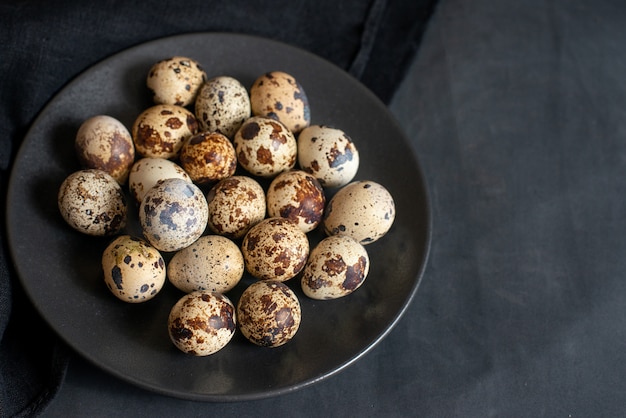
[212,263]
[92,202]
[364,210]
[134,271]
[269,313]
[173,214]
[279,96]
[208,157]
[201,323]
[337,266]
[175,80]
[275,249]
[222,105]
[103,142]
[161,130]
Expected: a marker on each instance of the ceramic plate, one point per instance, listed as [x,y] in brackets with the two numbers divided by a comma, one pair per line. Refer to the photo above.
[60,268]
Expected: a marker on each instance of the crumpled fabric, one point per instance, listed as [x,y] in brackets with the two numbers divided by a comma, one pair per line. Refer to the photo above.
[44,45]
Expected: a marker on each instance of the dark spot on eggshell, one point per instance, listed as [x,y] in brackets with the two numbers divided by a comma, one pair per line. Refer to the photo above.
[127,259]
[173,123]
[250,130]
[355,274]
[334,266]
[264,156]
[116,275]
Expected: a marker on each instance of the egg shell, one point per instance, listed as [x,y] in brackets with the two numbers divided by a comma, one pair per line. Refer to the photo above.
[269,313]
[173,214]
[329,154]
[337,266]
[202,323]
[298,196]
[208,157]
[103,142]
[236,204]
[265,147]
[364,210]
[134,271]
[175,80]
[212,263]
[147,172]
[222,105]
[92,202]
[161,130]
[275,249]
[278,95]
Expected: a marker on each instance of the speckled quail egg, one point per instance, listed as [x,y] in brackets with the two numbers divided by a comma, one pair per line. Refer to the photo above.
[175,80]
[222,105]
[269,313]
[93,202]
[134,271]
[275,249]
[212,263]
[328,154]
[298,196]
[279,96]
[364,210]
[265,147]
[337,266]
[208,157]
[235,205]
[173,214]
[103,142]
[160,130]
[201,323]
[147,172]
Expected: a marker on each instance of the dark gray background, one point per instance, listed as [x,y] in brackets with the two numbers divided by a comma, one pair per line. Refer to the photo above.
[517,111]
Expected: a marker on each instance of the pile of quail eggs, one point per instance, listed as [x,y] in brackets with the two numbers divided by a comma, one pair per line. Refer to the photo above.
[178,163]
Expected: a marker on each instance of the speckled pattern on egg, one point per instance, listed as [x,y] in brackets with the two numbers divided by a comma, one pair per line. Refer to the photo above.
[103,142]
[298,196]
[275,249]
[208,157]
[265,147]
[337,266]
[329,154]
[201,323]
[222,105]
[212,263]
[364,210]
[92,202]
[149,171]
[173,214]
[280,96]
[134,271]
[235,204]
[269,313]
[175,80]
[161,130]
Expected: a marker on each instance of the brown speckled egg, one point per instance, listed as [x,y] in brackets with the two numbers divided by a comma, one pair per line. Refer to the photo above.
[337,266]
[149,171]
[208,157]
[212,263]
[328,154]
[201,323]
[103,142]
[298,196]
[364,210]
[134,271]
[265,147]
[269,313]
[279,96]
[175,80]
[275,249]
[222,105]
[235,205]
[160,130]
[92,202]
[173,214]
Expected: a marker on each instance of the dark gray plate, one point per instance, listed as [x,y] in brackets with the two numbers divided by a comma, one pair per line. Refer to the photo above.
[60,268]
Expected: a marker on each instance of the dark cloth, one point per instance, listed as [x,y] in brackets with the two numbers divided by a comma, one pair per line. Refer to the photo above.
[43,45]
